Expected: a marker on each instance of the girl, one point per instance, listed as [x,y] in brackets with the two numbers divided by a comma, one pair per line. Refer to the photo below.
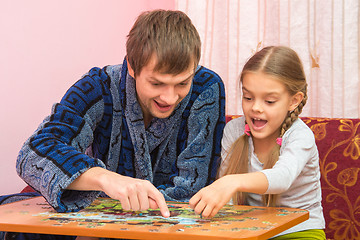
[269,155]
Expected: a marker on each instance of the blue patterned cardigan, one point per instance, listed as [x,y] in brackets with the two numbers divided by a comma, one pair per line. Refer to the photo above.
[99,122]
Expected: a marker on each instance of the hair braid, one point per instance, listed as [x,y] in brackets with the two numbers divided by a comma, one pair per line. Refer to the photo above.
[292,116]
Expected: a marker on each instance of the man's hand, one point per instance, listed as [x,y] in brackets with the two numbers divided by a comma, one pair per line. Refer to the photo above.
[134,194]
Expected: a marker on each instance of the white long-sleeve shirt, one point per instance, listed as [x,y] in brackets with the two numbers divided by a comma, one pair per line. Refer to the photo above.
[295,176]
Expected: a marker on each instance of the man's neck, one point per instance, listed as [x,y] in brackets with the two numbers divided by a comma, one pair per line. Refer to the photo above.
[147,121]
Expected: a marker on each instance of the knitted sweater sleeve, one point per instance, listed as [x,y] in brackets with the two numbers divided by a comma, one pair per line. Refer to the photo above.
[198,162]
[54,155]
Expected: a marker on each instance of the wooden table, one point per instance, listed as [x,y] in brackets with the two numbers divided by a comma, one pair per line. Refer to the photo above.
[105,218]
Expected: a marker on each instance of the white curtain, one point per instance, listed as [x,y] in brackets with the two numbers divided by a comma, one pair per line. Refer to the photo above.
[325,34]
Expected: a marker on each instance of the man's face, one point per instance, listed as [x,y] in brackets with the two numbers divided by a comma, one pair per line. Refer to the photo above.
[159,94]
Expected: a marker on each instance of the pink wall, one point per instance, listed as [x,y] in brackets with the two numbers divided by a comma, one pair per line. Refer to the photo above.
[45,46]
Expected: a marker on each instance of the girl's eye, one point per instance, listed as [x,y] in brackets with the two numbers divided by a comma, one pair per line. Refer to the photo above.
[247,98]
[270,102]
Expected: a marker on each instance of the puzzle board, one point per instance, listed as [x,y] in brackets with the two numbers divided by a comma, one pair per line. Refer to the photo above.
[105,218]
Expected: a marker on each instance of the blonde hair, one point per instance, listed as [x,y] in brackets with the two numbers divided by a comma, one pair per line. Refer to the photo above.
[285,65]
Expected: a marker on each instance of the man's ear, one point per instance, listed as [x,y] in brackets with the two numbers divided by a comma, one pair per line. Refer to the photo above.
[296,100]
[130,70]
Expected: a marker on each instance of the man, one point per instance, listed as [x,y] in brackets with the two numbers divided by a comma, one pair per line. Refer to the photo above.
[143,132]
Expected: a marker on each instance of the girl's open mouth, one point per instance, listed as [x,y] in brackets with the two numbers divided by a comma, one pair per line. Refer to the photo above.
[258,123]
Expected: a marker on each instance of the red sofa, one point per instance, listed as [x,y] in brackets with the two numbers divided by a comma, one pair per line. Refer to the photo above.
[338,142]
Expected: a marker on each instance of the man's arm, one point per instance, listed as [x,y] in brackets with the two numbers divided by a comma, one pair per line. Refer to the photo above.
[53,160]
[55,154]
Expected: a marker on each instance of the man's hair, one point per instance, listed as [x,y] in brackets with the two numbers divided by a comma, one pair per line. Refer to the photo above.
[167,35]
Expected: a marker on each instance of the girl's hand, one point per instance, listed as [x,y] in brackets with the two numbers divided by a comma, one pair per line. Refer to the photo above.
[209,200]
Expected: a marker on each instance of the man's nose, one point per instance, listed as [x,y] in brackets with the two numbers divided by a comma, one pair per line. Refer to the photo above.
[169,95]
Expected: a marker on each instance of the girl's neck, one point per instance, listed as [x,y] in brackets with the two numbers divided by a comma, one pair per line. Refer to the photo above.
[263,148]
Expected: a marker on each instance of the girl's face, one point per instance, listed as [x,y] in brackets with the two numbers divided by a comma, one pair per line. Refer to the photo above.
[266,103]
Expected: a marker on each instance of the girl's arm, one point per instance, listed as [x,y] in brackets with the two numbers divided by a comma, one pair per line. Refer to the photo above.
[209,200]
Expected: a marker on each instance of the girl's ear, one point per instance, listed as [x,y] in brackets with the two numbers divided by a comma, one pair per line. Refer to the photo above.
[130,70]
[296,100]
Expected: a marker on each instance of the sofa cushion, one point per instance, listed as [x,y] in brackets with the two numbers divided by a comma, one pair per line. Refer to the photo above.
[338,142]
